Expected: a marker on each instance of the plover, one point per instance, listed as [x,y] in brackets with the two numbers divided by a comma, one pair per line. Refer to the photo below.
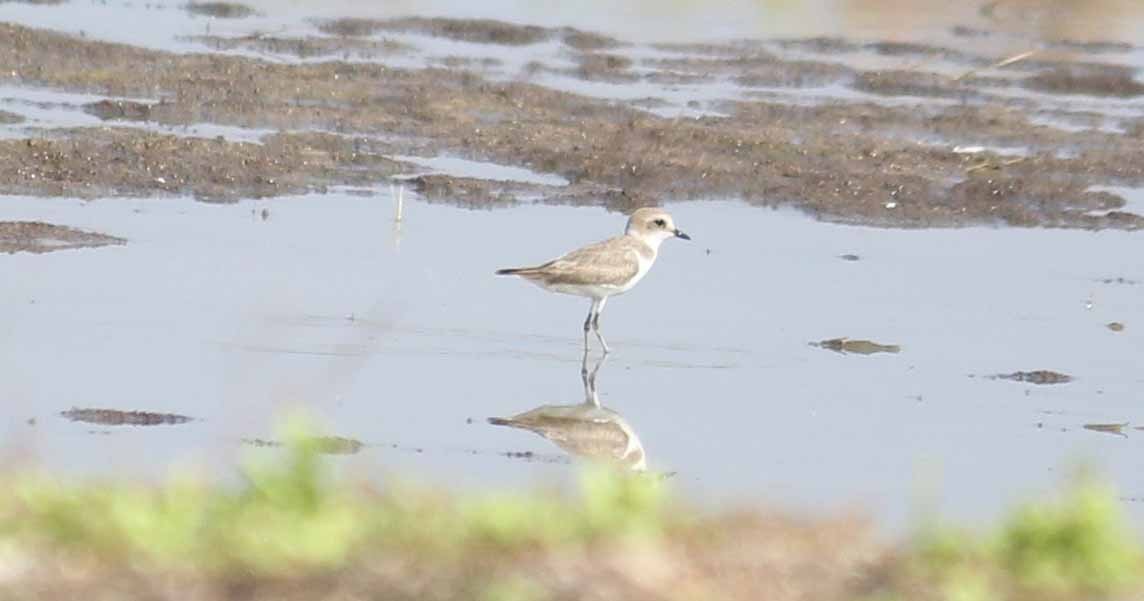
[605,269]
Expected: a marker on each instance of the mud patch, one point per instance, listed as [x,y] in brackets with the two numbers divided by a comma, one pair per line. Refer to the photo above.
[1104,81]
[349,27]
[851,162]
[587,40]
[7,118]
[38,237]
[912,83]
[465,191]
[913,49]
[1041,377]
[816,45]
[1091,46]
[601,66]
[126,110]
[115,417]
[130,162]
[859,347]
[480,31]
[759,68]
[472,192]
[219,10]
[469,62]
[306,47]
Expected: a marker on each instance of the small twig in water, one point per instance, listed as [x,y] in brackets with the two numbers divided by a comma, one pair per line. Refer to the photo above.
[994,165]
[1016,58]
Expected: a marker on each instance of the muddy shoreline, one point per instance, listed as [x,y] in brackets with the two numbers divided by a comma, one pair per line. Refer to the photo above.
[339,122]
[37,237]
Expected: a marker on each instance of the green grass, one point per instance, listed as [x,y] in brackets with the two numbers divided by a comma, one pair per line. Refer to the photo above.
[290,516]
[1079,544]
[290,513]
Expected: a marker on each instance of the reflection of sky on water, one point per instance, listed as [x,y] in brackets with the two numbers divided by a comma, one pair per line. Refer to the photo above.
[213,312]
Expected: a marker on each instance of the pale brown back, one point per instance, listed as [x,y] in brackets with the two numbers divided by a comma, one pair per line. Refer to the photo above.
[613,262]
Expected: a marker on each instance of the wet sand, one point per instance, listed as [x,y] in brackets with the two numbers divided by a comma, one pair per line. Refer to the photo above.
[942,139]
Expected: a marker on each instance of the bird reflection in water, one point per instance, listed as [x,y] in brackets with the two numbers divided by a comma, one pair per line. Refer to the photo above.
[585,430]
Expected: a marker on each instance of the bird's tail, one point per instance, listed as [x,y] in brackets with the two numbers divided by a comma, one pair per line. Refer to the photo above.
[500,421]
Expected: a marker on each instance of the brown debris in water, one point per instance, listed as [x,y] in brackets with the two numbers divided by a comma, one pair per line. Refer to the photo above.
[533,457]
[860,347]
[38,237]
[116,417]
[1117,429]
[1115,326]
[328,445]
[219,10]
[7,118]
[1040,376]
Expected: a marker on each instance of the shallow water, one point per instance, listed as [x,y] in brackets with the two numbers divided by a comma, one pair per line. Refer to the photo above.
[1019,26]
[402,338]
[458,167]
[645,21]
[45,109]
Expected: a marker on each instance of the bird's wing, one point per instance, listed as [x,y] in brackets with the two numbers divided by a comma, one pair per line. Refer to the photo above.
[612,262]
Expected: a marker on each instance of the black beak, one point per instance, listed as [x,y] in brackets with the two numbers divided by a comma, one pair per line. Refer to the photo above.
[679,234]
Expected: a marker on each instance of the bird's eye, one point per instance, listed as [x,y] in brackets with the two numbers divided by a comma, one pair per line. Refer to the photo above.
[661,223]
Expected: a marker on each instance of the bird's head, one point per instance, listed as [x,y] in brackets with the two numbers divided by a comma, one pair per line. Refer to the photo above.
[653,225]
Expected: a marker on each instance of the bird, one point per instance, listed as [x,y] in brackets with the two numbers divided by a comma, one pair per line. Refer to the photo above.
[604,269]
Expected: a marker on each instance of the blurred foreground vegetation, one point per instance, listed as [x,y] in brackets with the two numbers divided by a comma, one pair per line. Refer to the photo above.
[292,531]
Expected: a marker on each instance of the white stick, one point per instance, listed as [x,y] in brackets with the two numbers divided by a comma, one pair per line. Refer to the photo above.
[399,206]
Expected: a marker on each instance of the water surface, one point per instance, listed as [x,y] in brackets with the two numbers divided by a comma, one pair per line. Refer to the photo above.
[403,339]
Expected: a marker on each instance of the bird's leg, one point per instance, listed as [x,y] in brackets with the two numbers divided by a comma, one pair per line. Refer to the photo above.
[587,326]
[596,324]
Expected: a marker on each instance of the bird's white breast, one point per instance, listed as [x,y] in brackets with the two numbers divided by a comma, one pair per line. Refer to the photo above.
[645,264]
